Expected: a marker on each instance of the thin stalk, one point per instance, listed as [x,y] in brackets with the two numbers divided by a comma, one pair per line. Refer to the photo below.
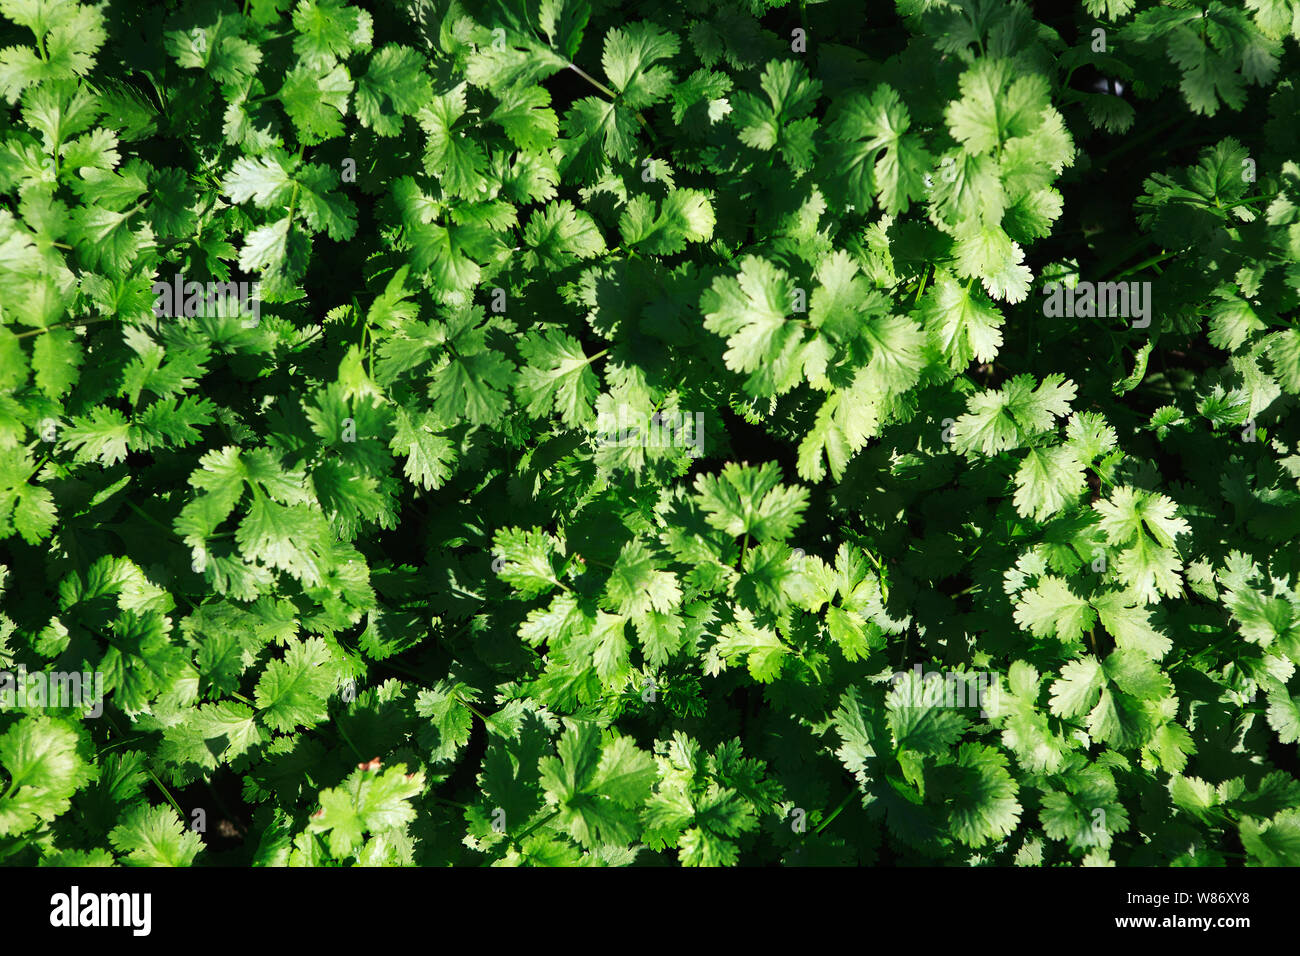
[147,517]
[925,273]
[612,97]
[542,822]
[593,81]
[836,812]
[1231,205]
[470,707]
[1137,140]
[1149,262]
[162,787]
[61,325]
[449,803]
[19,844]
[348,740]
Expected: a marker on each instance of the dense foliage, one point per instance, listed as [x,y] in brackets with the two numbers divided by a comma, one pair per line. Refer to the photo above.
[669,432]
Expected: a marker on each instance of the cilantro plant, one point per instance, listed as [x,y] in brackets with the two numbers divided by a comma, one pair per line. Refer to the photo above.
[677,432]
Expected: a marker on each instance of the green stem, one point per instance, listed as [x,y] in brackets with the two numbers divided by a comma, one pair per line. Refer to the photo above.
[1203,651]
[402,668]
[1149,262]
[162,787]
[348,740]
[1137,140]
[147,517]
[120,743]
[1242,202]
[60,325]
[925,273]
[293,201]
[542,822]
[37,470]
[16,845]
[449,803]
[613,96]
[836,812]
[471,708]
[593,81]
[1128,249]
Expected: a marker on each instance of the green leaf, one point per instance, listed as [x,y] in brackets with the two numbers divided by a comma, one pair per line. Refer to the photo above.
[293,691]
[921,716]
[750,310]
[1003,419]
[685,216]
[557,375]
[1052,610]
[1078,689]
[527,560]
[596,786]
[154,836]
[635,587]
[982,805]
[1048,480]
[629,61]
[780,121]
[316,99]
[962,324]
[1275,842]
[473,387]
[428,454]
[525,115]
[561,235]
[1284,715]
[994,108]
[761,648]
[44,761]
[329,30]
[369,801]
[749,501]
[881,157]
